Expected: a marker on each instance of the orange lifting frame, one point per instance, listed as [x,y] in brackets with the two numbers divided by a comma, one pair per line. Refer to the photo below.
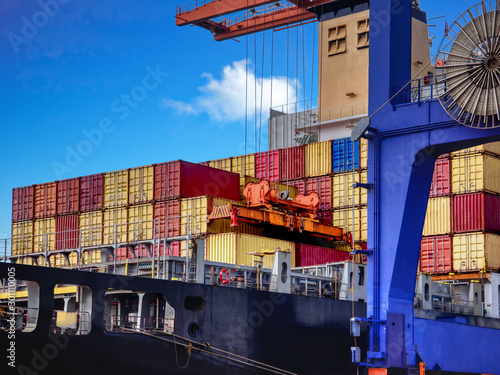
[203,14]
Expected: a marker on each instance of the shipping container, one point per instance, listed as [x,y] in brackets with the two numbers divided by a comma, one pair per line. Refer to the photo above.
[68,196]
[180,179]
[310,255]
[300,185]
[115,226]
[167,216]
[44,235]
[437,217]
[363,153]
[476,212]
[91,193]
[169,249]
[490,148]
[28,261]
[67,232]
[140,222]
[234,248]
[292,163]
[61,261]
[92,256]
[440,184]
[476,252]
[244,165]
[475,173]
[22,237]
[325,217]
[116,189]
[23,203]
[292,191]
[345,155]
[435,254]
[222,164]
[344,195]
[141,182]
[323,187]
[267,165]
[318,158]
[45,200]
[123,253]
[343,218]
[91,228]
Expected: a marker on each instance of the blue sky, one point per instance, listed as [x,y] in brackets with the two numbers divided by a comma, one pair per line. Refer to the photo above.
[92,86]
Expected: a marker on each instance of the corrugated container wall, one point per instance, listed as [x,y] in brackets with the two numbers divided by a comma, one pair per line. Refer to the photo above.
[233,248]
[91,193]
[141,181]
[68,196]
[363,153]
[437,217]
[140,222]
[491,148]
[435,254]
[23,203]
[318,158]
[440,184]
[323,187]
[44,235]
[91,228]
[476,212]
[474,173]
[67,232]
[345,155]
[292,163]
[116,189]
[115,226]
[344,195]
[267,165]
[244,165]
[310,255]
[92,256]
[476,252]
[167,216]
[343,218]
[45,200]
[180,179]
[325,216]
[222,164]
[22,238]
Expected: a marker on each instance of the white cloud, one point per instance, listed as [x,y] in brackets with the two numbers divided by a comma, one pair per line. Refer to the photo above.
[224,99]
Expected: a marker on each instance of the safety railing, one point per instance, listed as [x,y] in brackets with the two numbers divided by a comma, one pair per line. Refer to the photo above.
[19,317]
[418,91]
[116,323]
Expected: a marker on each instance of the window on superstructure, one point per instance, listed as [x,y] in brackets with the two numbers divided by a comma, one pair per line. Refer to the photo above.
[336,40]
[363,33]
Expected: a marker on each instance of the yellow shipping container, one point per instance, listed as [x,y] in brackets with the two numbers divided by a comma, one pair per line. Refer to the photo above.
[29,261]
[492,148]
[116,189]
[476,172]
[437,217]
[233,248]
[92,256]
[363,153]
[343,218]
[91,228]
[224,164]
[45,235]
[318,158]
[59,260]
[198,209]
[141,182]
[476,252]
[115,224]
[140,222]
[244,165]
[292,190]
[22,238]
[344,195]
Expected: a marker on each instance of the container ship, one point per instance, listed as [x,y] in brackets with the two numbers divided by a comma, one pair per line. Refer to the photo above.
[250,264]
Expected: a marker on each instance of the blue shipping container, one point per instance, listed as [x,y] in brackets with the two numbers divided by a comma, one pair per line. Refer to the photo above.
[342,156]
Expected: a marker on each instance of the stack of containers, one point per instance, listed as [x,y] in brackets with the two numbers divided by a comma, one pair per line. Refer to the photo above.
[476,208]
[91,217]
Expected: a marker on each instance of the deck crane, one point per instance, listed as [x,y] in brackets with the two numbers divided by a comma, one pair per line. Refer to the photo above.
[259,15]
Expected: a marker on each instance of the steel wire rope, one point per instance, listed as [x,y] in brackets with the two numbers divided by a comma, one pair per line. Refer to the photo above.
[312,77]
[261,88]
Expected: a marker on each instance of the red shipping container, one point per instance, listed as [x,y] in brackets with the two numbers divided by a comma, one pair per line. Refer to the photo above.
[299,184]
[23,203]
[167,219]
[173,248]
[440,185]
[323,187]
[292,163]
[91,193]
[180,179]
[325,217]
[68,196]
[124,252]
[67,232]
[477,212]
[267,165]
[436,254]
[311,255]
[45,200]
